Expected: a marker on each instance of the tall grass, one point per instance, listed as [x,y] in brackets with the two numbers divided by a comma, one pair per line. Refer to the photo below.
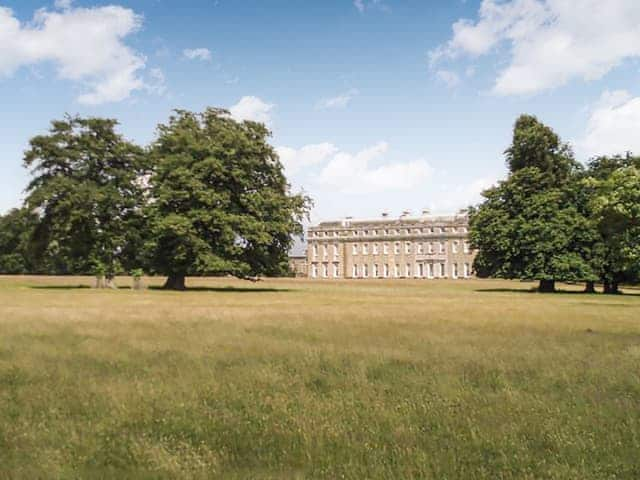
[299,379]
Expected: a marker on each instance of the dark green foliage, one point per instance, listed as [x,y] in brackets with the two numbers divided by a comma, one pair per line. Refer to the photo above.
[88,192]
[221,203]
[615,206]
[530,226]
[15,230]
[536,145]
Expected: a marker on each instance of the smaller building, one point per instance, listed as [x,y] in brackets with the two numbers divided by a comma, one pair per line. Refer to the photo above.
[298,266]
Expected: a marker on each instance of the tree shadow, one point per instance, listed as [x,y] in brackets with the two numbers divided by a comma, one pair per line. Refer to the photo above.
[635,293]
[225,289]
[60,287]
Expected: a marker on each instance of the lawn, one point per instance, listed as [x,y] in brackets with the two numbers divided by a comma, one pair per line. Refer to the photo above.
[301,379]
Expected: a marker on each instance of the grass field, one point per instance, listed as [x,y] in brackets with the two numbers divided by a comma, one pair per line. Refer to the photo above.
[299,379]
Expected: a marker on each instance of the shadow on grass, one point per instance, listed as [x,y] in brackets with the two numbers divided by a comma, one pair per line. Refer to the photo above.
[225,289]
[60,287]
[159,288]
[634,293]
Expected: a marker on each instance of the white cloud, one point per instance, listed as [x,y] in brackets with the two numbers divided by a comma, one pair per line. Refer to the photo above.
[613,126]
[307,156]
[203,54]
[252,108]
[354,173]
[157,82]
[449,78]
[363,5]
[63,4]
[85,45]
[551,41]
[455,197]
[340,101]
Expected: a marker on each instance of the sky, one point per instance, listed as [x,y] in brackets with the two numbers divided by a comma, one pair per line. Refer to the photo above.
[375,105]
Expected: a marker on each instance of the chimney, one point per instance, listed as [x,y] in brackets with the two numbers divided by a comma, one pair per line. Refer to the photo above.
[385,214]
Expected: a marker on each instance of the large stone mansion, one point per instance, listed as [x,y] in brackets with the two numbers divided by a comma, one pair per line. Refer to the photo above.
[406,247]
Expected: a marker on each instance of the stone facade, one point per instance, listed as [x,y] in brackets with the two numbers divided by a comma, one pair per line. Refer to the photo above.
[298,266]
[407,247]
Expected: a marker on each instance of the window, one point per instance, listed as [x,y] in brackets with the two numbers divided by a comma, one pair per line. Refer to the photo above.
[407,247]
[465,247]
[430,270]
[454,247]
[375,249]
[386,232]
[407,272]
[420,270]
[375,270]
[335,234]
[315,250]
[420,248]
[336,270]
[336,251]
[385,270]
[396,270]
[396,248]
[393,232]
[365,271]
[443,271]
[454,270]
[325,270]
[374,233]
[365,249]
[325,253]
[385,248]
[366,233]
[314,270]
[354,248]
[463,229]
[438,230]
[466,270]
[442,248]
[354,271]
[430,247]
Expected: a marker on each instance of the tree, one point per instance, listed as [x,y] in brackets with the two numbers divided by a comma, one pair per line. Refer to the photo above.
[15,231]
[220,201]
[528,226]
[616,211]
[88,192]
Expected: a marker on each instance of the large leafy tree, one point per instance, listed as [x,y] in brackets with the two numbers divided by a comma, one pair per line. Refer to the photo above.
[88,190]
[16,228]
[220,201]
[615,206]
[529,225]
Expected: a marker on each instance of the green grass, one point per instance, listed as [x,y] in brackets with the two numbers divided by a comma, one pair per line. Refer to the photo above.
[300,379]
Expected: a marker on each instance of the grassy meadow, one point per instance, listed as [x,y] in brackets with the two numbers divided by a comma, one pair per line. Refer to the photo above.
[300,379]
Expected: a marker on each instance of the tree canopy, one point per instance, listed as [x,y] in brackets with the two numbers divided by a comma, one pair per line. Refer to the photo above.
[220,201]
[529,226]
[88,195]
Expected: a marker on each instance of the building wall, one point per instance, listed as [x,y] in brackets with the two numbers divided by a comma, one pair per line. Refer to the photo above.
[426,247]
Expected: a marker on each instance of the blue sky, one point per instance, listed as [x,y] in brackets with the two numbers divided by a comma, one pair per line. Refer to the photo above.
[375,105]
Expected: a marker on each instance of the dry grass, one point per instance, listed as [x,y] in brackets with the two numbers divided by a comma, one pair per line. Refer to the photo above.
[296,379]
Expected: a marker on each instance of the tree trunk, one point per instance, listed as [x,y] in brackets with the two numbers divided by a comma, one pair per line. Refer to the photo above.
[590,287]
[611,288]
[547,286]
[137,283]
[174,282]
[100,282]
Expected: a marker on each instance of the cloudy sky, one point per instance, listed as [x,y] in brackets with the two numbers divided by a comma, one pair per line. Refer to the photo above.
[375,105]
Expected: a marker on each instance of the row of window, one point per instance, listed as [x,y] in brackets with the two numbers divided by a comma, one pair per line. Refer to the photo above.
[387,231]
[409,247]
[420,270]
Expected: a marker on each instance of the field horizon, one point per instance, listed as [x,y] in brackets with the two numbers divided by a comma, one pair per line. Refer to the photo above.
[296,378]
